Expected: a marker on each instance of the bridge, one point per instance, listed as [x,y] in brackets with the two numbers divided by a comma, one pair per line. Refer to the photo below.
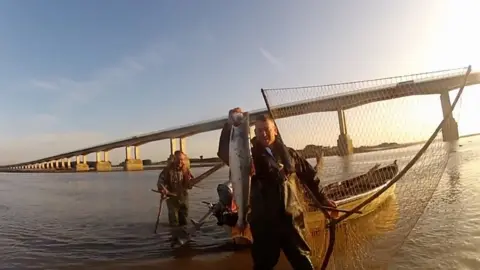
[438,85]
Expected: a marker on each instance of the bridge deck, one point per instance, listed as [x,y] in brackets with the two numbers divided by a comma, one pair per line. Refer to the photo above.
[324,104]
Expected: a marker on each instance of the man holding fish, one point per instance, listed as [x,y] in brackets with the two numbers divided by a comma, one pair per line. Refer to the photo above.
[276,217]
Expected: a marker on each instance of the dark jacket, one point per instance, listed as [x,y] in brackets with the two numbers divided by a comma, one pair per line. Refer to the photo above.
[267,170]
[223,143]
[175,184]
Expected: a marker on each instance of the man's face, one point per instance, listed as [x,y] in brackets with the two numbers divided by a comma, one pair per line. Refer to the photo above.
[265,132]
[180,161]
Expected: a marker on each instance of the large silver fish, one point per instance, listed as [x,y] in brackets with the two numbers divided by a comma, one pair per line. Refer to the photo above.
[240,164]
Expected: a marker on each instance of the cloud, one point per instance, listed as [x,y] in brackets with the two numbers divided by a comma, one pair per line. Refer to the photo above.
[276,63]
[45,85]
[73,93]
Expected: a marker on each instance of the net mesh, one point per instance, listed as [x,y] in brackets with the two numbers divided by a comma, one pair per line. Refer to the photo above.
[386,124]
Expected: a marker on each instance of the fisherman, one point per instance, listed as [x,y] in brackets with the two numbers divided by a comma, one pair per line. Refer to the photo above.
[176,178]
[277,222]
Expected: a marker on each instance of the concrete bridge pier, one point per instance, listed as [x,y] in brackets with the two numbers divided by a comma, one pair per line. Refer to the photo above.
[182,145]
[135,163]
[81,166]
[102,165]
[344,142]
[64,164]
[450,126]
[173,146]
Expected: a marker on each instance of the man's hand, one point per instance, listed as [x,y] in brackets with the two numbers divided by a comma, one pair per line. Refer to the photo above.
[252,169]
[187,176]
[333,214]
[233,111]
[161,190]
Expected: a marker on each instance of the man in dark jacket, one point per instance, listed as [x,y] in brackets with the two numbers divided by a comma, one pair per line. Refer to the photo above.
[277,216]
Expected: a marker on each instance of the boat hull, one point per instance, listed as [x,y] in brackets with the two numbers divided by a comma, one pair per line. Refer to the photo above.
[363,186]
[316,219]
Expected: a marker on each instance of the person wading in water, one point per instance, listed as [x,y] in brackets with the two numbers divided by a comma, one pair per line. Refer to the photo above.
[176,178]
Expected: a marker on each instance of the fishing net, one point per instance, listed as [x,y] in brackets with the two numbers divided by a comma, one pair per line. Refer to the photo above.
[385,146]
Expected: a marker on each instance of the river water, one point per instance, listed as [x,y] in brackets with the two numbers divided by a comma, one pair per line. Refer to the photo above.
[106,221]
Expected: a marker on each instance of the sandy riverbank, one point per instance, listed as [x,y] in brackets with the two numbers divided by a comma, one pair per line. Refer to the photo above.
[239,260]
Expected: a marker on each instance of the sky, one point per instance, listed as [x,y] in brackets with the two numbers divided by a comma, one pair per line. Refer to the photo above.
[79,73]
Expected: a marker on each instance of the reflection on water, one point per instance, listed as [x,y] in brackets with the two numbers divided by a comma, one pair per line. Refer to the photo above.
[357,238]
[453,172]
[346,162]
[106,220]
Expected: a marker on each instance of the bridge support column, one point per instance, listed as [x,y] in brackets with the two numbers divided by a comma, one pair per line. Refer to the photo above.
[183,144]
[135,163]
[450,126]
[81,166]
[69,164]
[344,143]
[102,165]
[173,145]
[183,148]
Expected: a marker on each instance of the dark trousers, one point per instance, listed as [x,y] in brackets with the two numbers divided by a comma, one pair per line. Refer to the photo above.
[177,211]
[268,244]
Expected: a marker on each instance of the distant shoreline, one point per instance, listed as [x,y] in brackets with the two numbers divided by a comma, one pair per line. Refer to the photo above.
[310,151]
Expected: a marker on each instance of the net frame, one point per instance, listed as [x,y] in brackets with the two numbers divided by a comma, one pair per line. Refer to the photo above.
[331,224]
